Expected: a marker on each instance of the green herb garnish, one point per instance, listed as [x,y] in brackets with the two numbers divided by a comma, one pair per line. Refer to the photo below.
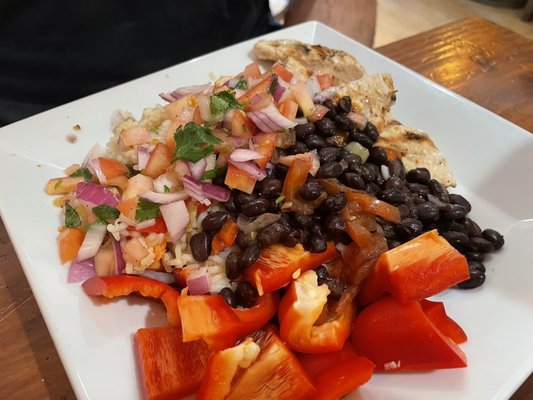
[105,212]
[222,101]
[85,173]
[280,199]
[146,210]
[154,131]
[72,218]
[194,142]
[212,173]
[166,189]
[274,85]
[242,84]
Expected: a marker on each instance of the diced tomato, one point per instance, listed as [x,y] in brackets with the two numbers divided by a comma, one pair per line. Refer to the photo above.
[241,126]
[300,309]
[134,136]
[69,240]
[225,237]
[303,98]
[138,184]
[128,207]
[400,337]
[280,70]
[238,179]
[158,227]
[318,113]
[124,285]
[265,144]
[169,368]
[419,268]
[289,109]
[175,109]
[159,161]
[112,168]
[325,81]
[277,264]
[252,71]
[260,368]
[120,182]
[436,313]
[262,87]
[338,373]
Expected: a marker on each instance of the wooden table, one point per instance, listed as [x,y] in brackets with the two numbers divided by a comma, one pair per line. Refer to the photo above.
[480,60]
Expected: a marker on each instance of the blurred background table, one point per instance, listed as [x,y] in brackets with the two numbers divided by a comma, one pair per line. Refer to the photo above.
[484,62]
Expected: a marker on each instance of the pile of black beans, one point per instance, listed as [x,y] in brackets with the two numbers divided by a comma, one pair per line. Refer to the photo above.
[424,204]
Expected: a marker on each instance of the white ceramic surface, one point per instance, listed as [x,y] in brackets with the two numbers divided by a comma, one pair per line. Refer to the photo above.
[491,159]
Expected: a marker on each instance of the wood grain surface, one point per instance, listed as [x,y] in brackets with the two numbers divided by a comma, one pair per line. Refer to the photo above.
[482,61]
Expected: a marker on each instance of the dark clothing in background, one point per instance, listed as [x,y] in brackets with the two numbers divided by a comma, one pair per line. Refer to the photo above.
[55,51]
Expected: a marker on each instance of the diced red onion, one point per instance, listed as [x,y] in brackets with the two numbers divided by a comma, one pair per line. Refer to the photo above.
[233,82]
[242,155]
[259,122]
[313,85]
[359,119]
[216,192]
[145,224]
[182,168]
[280,90]
[198,168]
[94,166]
[184,91]
[194,189]
[92,241]
[167,97]
[271,119]
[204,106]
[163,277]
[164,198]
[250,168]
[119,260]
[211,160]
[81,270]
[143,154]
[95,152]
[325,94]
[385,172]
[301,120]
[96,194]
[176,217]
[168,179]
[198,282]
[259,223]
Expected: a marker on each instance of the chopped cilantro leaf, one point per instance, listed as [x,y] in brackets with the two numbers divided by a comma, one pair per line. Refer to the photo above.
[154,131]
[218,105]
[72,218]
[227,97]
[58,183]
[105,212]
[85,173]
[212,173]
[194,142]
[280,199]
[274,85]
[242,84]
[146,210]
[166,189]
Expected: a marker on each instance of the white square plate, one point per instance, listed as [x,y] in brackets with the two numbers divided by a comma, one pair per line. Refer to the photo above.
[491,159]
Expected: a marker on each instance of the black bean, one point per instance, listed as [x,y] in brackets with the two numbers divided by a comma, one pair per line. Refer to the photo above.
[354,162]
[371,131]
[409,228]
[228,295]
[255,207]
[369,172]
[200,246]
[337,140]
[417,199]
[477,278]
[328,154]
[344,105]
[272,234]
[244,240]
[456,226]
[333,203]
[404,210]
[418,188]
[413,211]
[393,196]
[219,180]
[456,239]
[335,285]
[351,179]
[270,188]
[329,170]
[418,175]
[344,123]
[473,228]
[334,224]
[476,265]
[331,107]
[321,272]
[456,212]
[250,255]
[274,207]
[214,221]
[317,244]
[233,267]
[474,256]
[391,243]
[280,171]
[297,148]
[373,189]
[495,237]
[315,142]
[393,183]
[326,127]
[304,130]
[377,155]
[480,244]
[242,198]
[438,190]
[396,168]
[294,237]
[302,221]
[246,295]
[231,204]
[316,229]
[311,190]
[362,139]
[458,199]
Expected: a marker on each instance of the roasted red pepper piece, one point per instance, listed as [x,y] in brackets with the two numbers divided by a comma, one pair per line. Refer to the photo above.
[260,368]
[436,312]
[124,285]
[169,368]
[338,373]
[300,309]
[277,264]
[420,268]
[397,336]
[225,237]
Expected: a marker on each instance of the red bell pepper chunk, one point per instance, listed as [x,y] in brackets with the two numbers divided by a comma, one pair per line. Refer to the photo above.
[169,368]
[254,318]
[337,373]
[436,312]
[238,179]
[265,144]
[225,237]
[260,368]
[124,285]
[277,264]
[158,227]
[397,336]
[417,269]
[301,307]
